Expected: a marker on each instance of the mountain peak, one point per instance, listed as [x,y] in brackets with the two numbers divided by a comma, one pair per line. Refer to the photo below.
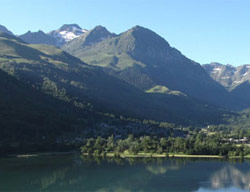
[138,27]
[99,31]
[70,27]
[38,37]
[67,33]
[40,31]
[145,45]
[146,36]
[95,35]
[5,30]
[141,29]
[138,30]
[37,32]
[216,64]
[99,28]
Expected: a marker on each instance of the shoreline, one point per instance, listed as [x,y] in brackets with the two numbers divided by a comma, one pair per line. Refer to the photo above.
[127,155]
[164,155]
[39,154]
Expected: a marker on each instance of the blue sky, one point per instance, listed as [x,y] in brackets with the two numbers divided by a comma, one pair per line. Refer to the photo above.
[203,30]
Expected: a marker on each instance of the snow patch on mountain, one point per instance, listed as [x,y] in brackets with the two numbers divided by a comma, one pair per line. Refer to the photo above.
[217,69]
[67,33]
[245,74]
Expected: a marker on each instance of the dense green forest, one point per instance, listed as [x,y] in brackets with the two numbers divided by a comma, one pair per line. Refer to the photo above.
[198,144]
[226,140]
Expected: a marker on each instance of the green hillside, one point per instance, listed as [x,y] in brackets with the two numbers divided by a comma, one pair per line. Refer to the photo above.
[67,78]
[30,118]
[144,59]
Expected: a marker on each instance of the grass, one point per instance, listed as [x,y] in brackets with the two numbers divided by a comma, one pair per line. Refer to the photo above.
[126,154]
[163,90]
[156,155]
[47,49]
[107,60]
[195,156]
[129,155]
[247,156]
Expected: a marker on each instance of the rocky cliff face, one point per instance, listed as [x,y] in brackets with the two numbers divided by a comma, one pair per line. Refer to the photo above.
[228,75]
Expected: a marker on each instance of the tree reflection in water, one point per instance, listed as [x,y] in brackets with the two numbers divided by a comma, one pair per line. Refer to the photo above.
[72,173]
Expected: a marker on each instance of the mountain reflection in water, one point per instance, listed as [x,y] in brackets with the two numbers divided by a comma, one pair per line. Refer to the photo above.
[231,176]
[72,173]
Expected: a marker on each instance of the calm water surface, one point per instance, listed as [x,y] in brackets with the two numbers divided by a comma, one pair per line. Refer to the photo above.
[72,173]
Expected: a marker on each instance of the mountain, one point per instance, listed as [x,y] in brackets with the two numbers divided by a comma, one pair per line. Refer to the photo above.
[38,38]
[228,75]
[5,30]
[68,79]
[89,38]
[57,37]
[67,33]
[235,79]
[29,119]
[142,58]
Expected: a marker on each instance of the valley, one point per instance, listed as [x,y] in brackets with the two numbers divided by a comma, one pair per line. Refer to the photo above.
[72,84]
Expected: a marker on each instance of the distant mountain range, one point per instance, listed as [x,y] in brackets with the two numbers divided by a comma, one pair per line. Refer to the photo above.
[38,38]
[66,33]
[57,37]
[235,79]
[228,75]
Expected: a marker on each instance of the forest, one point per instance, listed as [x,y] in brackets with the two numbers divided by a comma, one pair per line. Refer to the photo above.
[199,144]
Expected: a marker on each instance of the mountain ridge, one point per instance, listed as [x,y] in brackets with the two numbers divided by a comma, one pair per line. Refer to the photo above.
[234,79]
[38,37]
[142,58]
[66,33]
[228,75]
[67,78]
[5,30]
[57,37]
[93,36]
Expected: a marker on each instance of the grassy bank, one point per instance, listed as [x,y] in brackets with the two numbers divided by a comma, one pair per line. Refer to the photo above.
[41,154]
[152,155]
[162,155]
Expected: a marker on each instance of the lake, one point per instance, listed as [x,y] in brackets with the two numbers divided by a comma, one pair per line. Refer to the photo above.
[70,172]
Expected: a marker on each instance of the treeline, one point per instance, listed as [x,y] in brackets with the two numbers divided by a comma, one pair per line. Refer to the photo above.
[199,144]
